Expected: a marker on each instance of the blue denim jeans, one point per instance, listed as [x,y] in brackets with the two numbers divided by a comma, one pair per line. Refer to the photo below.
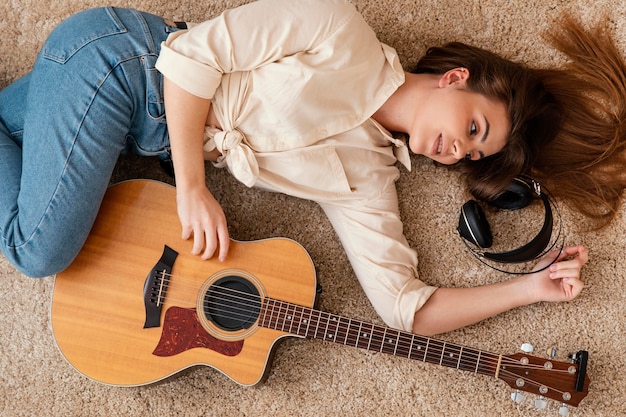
[93,93]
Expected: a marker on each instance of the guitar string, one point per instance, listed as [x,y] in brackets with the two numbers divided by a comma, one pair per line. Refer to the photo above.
[245,314]
[488,363]
[401,349]
[284,312]
[227,312]
[465,356]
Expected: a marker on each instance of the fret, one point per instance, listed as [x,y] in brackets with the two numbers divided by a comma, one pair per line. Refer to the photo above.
[295,321]
[391,342]
[348,329]
[411,347]
[367,335]
[354,333]
[317,326]
[263,313]
[364,334]
[337,321]
[275,314]
[443,350]
[289,316]
[308,322]
[395,350]
[376,340]
[326,326]
[331,327]
[273,322]
[288,319]
[415,347]
[268,320]
[358,334]
[490,366]
[382,345]
[281,316]
[300,320]
[451,356]
[434,351]
[477,362]
[342,330]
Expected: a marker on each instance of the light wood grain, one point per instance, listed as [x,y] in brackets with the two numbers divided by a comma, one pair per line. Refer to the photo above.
[97,307]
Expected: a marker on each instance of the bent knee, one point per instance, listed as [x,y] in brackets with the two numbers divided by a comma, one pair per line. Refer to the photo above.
[39,265]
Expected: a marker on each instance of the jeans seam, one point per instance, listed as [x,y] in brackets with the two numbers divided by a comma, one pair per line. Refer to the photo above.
[54,196]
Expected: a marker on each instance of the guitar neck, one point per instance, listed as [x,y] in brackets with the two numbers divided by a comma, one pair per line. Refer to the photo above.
[316,324]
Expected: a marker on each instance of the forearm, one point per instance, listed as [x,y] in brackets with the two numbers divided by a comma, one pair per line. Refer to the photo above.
[200,214]
[186,119]
[555,281]
[452,308]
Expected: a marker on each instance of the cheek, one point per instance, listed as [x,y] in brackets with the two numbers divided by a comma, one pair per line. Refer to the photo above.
[448,160]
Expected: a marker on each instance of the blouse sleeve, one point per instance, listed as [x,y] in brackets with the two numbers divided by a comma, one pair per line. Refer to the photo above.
[383,261]
[247,37]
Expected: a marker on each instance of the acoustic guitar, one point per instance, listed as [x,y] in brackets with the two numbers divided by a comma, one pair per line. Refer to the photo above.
[136,307]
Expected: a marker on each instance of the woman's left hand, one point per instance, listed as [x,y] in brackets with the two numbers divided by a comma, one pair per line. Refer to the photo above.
[561,281]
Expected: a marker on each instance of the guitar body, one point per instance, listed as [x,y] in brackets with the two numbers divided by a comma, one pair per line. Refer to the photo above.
[98,305]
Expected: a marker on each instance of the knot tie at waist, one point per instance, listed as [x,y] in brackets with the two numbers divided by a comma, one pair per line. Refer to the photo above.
[237,156]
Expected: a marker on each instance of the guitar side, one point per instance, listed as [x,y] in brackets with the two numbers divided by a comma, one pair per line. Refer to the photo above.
[98,309]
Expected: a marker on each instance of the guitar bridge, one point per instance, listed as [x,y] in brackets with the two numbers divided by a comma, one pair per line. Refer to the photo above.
[155,287]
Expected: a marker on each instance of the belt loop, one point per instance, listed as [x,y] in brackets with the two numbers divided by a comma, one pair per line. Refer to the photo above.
[172,24]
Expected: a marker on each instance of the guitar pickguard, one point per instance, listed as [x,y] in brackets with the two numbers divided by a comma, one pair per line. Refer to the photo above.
[182,331]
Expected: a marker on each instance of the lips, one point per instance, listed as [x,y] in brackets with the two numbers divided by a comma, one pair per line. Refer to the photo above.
[438,146]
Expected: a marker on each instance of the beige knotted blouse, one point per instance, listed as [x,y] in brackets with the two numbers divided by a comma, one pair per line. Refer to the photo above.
[293,86]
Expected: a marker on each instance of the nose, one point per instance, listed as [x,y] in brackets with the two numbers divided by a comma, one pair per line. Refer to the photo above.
[459,149]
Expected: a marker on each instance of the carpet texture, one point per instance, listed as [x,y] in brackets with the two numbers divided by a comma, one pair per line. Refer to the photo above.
[314,378]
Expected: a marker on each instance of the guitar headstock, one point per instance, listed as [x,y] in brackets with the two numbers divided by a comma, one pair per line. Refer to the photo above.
[565,382]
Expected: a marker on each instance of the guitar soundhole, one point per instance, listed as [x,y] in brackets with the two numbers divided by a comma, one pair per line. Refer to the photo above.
[232,303]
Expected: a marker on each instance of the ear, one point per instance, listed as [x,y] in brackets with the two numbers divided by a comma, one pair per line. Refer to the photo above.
[456,76]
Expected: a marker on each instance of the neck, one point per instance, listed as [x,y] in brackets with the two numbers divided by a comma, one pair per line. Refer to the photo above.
[316,324]
[398,112]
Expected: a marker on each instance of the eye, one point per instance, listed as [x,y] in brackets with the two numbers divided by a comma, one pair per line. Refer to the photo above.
[468,156]
[473,129]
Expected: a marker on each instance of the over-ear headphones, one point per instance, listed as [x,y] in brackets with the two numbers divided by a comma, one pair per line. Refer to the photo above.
[475,230]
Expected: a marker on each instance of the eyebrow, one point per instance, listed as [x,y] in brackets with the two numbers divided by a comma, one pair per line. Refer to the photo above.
[484,138]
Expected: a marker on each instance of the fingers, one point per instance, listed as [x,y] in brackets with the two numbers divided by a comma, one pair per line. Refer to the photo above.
[575,251]
[206,241]
[572,287]
[202,218]
[187,232]
[210,245]
[567,270]
[224,241]
[570,262]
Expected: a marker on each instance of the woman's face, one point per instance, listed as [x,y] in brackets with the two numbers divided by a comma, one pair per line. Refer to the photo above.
[456,124]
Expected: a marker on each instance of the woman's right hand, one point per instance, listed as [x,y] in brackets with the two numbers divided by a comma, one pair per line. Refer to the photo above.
[202,218]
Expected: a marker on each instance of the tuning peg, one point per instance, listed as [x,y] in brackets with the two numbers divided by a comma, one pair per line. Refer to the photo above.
[551,352]
[527,348]
[563,410]
[517,396]
[541,403]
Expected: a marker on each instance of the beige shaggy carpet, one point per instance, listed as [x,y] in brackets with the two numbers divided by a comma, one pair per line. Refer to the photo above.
[315,378]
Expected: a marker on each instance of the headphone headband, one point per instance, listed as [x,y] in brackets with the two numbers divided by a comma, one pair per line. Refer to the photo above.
[475,230]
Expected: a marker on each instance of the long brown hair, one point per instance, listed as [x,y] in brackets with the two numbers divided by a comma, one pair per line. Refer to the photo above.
[567,124]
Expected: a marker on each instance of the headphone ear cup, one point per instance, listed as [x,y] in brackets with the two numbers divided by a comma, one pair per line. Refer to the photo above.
[518,195]
[473,225]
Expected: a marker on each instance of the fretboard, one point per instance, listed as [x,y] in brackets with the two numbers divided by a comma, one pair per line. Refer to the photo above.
[316,324]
